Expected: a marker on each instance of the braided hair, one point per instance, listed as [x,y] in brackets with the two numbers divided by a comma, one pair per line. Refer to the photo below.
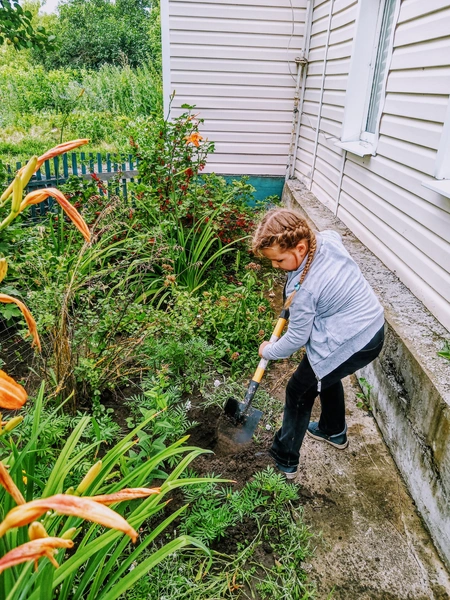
[285,228]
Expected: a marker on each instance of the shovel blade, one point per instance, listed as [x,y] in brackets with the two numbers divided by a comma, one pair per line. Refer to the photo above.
[245,422]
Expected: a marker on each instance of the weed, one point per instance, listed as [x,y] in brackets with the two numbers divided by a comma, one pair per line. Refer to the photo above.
[364,395]
[445,352]
[269,501]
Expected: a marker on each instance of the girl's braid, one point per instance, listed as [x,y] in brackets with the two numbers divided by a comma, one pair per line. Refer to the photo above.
[285,228]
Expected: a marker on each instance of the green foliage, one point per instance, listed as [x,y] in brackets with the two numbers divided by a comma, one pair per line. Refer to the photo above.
[364,395]
[92,33]
[268,502]
[107,554]
[121,92]
[232,317]
[445,352]
[16,28]
[38,106]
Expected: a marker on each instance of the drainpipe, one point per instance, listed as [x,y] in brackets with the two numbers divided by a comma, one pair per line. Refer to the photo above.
[319,114]
[302,62]
[341,176]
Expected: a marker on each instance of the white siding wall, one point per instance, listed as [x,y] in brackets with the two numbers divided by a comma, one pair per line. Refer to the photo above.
[235,62]
[381,198]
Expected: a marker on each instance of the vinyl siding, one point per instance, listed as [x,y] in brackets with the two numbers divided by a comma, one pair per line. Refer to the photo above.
[235,63]
[381,198]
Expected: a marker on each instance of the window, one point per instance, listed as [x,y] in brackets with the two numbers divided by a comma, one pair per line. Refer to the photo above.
[369,68]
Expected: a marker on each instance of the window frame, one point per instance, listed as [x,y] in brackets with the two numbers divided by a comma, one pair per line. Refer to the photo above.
[354,137]
[441,181]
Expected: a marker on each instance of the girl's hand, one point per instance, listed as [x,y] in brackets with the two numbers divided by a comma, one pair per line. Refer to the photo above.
[261,348]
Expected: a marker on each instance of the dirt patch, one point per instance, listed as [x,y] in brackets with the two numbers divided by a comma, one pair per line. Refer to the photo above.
[229,460]
[370,542]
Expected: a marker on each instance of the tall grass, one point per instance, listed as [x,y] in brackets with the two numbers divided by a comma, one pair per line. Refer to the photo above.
[113,89]
[34,105]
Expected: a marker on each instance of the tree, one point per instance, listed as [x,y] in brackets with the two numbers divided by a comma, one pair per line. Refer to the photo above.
[95,32]
[16,28]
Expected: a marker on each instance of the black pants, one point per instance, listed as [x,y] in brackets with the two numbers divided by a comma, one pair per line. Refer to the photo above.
[301,391]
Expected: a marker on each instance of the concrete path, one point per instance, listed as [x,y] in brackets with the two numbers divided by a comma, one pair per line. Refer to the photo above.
[373,544]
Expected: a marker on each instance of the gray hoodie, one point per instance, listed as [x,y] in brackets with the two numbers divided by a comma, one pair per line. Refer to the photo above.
[334,314]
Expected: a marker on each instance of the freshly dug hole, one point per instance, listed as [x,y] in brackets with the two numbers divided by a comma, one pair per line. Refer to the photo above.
[238,462]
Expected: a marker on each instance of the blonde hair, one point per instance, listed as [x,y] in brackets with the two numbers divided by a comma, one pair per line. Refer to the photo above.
[285,228]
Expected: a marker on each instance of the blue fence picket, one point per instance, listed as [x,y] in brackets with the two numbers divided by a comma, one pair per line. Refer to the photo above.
[115,173]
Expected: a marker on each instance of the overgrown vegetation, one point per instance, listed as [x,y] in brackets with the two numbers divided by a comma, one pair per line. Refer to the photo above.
[160,308]
[100,78]
[165,299]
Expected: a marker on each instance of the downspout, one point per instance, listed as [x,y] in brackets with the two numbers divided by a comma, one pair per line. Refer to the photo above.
[319,114]
[302,63]
[341,176]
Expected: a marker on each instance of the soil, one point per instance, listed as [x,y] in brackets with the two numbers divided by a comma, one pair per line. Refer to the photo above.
[370,543]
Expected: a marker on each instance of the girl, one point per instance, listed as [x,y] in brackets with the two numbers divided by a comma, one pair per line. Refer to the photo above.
[334,313]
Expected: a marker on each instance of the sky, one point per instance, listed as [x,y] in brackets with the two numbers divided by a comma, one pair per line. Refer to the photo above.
[49,6]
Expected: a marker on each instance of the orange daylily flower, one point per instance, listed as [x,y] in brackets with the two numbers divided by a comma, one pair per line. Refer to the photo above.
[35,163]
[40,195]
[12,394]
[32,329]
[127,494]
[60,149]
[194,138]
[9,485]
[64,504]
[33,551]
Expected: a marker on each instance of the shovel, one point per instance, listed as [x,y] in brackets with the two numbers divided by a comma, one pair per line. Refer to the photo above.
[242,414]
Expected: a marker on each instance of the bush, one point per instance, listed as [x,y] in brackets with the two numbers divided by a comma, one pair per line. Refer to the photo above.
[91,33]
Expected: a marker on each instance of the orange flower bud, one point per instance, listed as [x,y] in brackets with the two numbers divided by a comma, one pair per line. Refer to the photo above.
[9,485]
[32,329]
[36,531]
[33,551]
[60,149]
[40,195]
[74,506]
[126,494]
[12,394]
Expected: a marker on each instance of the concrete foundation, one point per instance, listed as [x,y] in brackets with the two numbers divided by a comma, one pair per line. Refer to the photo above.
[410,383]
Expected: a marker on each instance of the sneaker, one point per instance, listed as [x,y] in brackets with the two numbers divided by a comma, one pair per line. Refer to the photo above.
[339,440]
[288,472]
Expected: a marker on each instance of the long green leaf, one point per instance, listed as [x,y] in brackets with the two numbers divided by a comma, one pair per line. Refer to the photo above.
[135,554]
[59,472]
[145,566]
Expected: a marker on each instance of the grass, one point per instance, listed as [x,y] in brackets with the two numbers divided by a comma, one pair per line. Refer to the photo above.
[37,108]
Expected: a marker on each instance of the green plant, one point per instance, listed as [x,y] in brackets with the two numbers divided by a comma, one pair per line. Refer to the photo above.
[158,395]
[99,566]
[269,503]
[12,394]
[90,34]
[445,352]
[364,395]
[17,29]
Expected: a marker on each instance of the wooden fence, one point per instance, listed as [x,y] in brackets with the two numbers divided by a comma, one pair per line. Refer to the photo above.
[114,173]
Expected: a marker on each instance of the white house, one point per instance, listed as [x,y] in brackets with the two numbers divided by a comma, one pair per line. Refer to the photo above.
[350,97]
[374,140]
